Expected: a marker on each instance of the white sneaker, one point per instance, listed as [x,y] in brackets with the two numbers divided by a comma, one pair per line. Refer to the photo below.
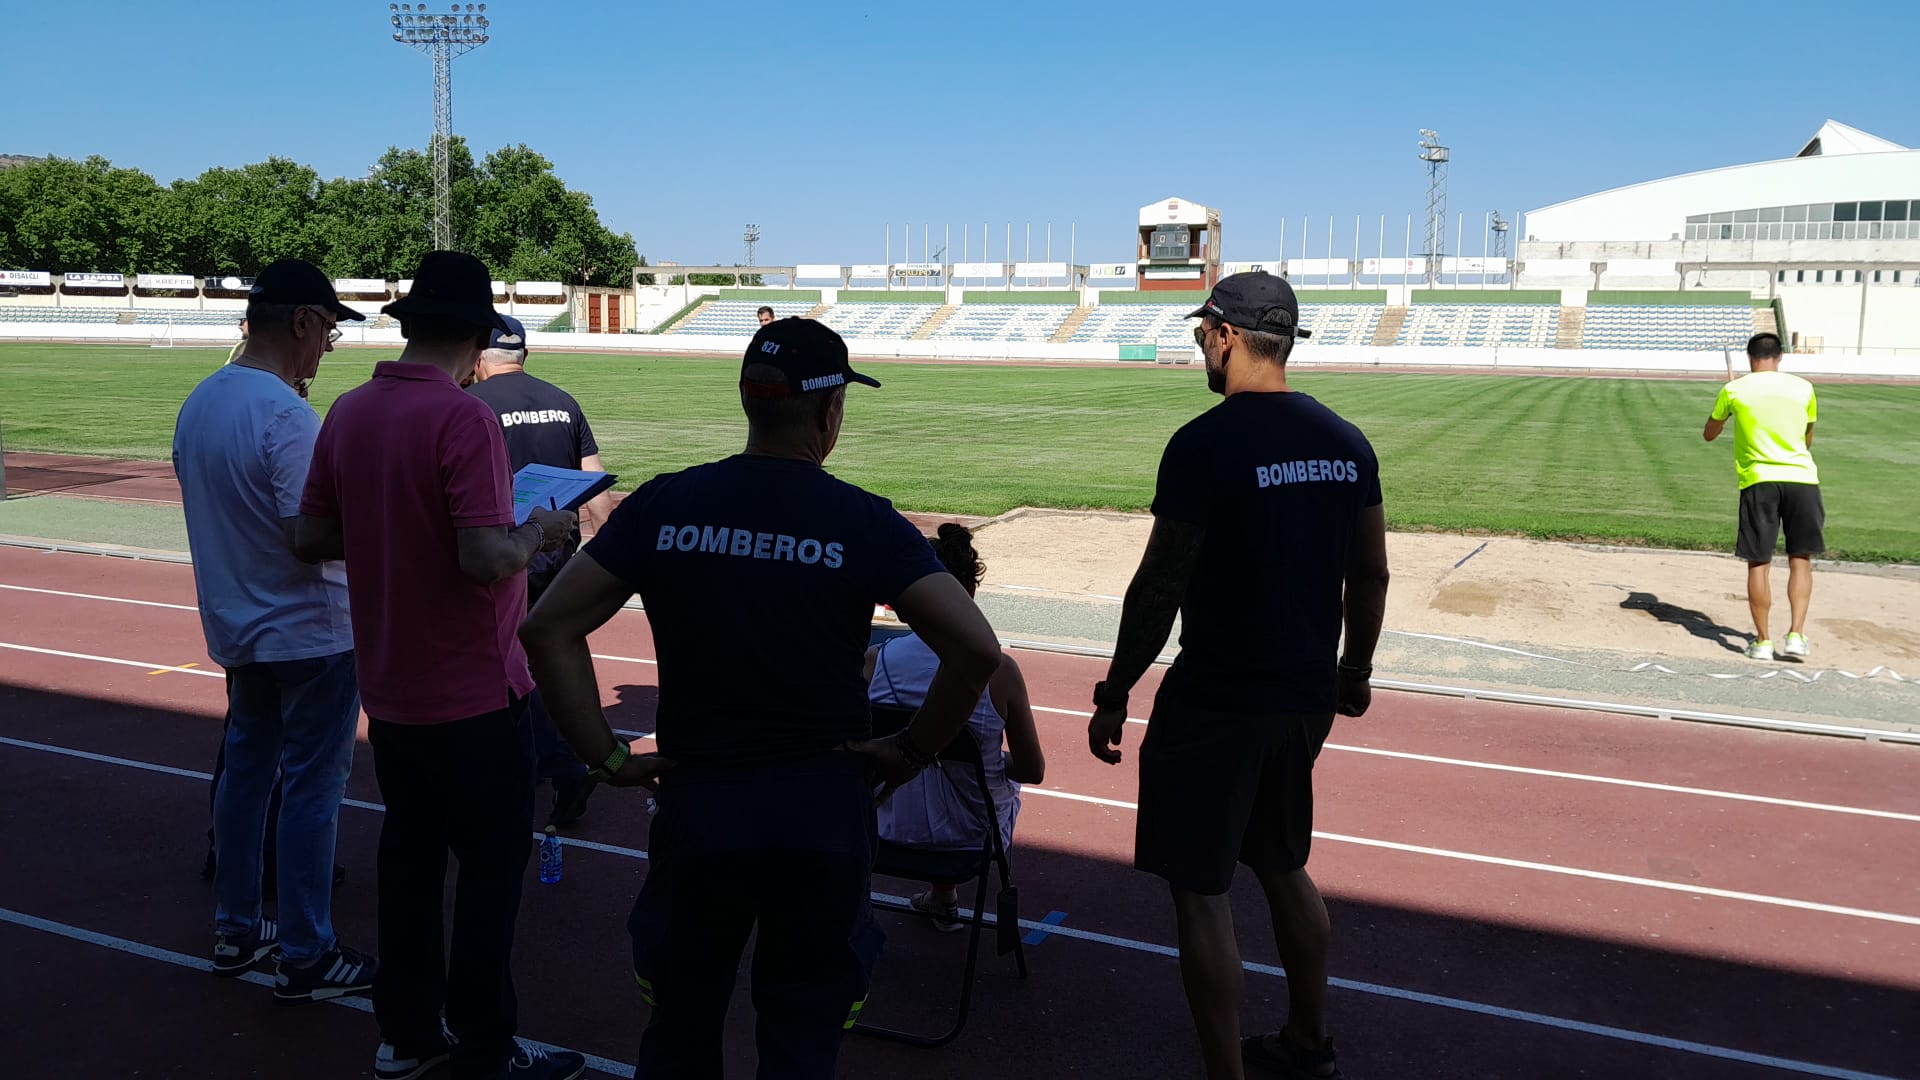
[1760,650]
[1796,645]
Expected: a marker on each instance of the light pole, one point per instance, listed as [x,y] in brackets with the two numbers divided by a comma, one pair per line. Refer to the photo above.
[442,37]
[1436,156]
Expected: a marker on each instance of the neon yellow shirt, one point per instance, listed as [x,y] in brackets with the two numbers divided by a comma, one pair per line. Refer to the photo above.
[1770,411]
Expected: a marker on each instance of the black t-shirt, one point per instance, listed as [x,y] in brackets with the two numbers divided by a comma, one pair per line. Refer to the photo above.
[543,425]
[760,576]
[1279,481]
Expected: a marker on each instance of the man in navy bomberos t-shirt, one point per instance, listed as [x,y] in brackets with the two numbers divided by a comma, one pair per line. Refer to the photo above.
[1268,539]
[542,425]
[759,574]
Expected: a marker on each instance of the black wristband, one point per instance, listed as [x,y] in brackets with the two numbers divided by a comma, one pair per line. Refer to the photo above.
[910,753]
[1104,699]
[1355,669]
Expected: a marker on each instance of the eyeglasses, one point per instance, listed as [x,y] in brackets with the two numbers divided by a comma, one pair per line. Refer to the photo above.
[333,331]
[1200,333]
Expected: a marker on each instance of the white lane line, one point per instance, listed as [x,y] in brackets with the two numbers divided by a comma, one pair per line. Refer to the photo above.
[195,963]
[614,1068]
[1337,838]
[1589,778]
[1645,785]
[95,596]
[112,660]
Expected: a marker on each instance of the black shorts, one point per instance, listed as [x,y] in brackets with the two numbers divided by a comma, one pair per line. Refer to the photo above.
[1766,506]
[1220,788]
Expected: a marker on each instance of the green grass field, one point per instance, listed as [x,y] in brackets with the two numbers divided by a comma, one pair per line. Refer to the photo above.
[1607,459]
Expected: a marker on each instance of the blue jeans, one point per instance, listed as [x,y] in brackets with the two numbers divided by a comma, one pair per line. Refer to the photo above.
[557,761]
[293,720]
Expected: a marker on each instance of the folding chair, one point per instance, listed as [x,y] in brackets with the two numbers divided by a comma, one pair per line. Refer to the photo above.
[953,868]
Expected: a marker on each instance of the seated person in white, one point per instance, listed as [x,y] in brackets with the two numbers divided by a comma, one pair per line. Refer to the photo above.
[942,808]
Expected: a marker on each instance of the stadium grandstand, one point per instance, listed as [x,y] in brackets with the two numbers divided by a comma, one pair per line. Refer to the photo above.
[1666,273]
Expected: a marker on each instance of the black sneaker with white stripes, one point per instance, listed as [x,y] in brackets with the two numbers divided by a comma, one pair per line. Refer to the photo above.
[530,1062]
[338,972]
[392,1062]
[236,955]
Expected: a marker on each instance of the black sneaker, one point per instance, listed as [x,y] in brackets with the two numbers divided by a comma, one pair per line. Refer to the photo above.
[236,955]
[338,972]
[570,801]
[391,1063]
[530,1062]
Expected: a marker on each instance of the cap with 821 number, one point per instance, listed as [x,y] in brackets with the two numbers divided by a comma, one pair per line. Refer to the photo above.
[810,354]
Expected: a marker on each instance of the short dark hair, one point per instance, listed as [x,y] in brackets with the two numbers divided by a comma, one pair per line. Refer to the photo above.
[764,310]
[442,330]
[1764,347]
[1274,348]
[770,406]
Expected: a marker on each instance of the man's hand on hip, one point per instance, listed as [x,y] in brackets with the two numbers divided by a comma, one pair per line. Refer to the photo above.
[641,770]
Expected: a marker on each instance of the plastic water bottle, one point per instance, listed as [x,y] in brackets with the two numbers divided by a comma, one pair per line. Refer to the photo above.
[550,858]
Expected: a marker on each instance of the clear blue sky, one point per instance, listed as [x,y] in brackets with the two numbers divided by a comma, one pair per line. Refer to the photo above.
[823,123]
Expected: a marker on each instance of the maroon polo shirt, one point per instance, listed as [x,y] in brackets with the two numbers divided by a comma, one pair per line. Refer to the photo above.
[402,461]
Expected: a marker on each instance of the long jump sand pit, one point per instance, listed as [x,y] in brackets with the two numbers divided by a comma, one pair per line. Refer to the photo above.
[1524,594]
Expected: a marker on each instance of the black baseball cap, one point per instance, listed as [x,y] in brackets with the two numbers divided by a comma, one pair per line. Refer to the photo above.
[298,282]
[1255,301]
[453,285]
[809,353]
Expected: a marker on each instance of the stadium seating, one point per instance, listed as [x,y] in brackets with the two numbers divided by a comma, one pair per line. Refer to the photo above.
[1341,324]
[1529,325]
[1167,325]
[897,321]
[1003,322]
[1632,326]
[47,313]
[186,317]
[737,317]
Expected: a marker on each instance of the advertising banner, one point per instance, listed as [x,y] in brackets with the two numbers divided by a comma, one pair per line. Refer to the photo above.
[33,279]
[183,282]
[96,281]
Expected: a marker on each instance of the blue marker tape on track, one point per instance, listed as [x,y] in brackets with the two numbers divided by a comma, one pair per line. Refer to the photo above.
[1039,934]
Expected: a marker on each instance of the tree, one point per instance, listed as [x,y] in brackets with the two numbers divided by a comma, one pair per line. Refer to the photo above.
[528,226]
[61,215]
[510,211]
[239,220]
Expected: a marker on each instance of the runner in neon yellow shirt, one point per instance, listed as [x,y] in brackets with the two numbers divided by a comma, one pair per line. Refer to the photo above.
[1773,414]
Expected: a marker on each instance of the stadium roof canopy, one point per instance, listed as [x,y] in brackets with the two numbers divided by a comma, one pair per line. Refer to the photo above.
[1835,138]
[1839,164]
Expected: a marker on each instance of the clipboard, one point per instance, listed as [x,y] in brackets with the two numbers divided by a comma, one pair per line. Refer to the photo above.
[563,489]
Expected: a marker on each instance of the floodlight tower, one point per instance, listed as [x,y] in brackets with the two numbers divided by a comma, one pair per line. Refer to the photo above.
[1435,155]
[752,237]
[1500,227]
[442,37]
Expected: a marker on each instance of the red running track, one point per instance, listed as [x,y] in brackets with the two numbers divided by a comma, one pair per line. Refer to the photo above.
[1694,901]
